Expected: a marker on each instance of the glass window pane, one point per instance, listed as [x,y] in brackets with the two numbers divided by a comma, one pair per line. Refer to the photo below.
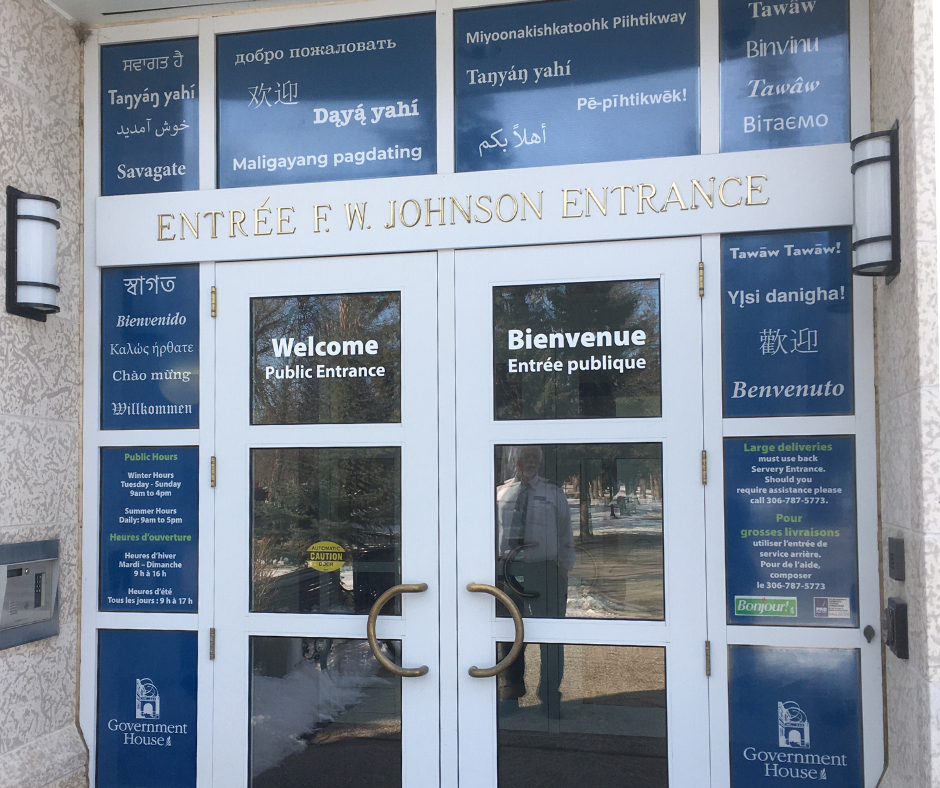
[325,529]
[581,350]
[582,715]
[579,529]
[323,712]
[326,359]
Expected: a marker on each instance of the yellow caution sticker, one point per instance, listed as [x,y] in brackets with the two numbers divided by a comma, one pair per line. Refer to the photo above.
[326,556]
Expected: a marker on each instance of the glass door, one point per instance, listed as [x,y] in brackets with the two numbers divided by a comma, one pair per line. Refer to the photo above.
[327,516]
[580,516]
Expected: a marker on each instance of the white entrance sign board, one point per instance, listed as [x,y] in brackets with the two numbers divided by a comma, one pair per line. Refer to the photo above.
[653,198]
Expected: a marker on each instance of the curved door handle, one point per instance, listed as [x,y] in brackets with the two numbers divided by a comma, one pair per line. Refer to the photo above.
[406,588]
[505,662]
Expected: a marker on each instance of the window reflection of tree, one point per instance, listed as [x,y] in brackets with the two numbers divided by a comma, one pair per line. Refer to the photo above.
[360,316]
[578,307]
[302,496]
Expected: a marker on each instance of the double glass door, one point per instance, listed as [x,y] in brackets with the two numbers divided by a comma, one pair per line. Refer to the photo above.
[460,519]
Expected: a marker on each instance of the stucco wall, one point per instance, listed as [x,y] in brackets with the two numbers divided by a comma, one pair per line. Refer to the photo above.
[906,379]
[40,391]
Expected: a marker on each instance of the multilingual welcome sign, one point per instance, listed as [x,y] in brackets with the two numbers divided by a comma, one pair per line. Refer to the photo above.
[327,103]
[150,117]
[569,82]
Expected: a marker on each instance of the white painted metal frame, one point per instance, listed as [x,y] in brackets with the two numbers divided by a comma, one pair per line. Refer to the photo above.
[414,276]
[862,424]
[674,262]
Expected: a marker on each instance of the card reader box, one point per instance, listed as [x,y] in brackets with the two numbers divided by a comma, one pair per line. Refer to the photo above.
[29,592]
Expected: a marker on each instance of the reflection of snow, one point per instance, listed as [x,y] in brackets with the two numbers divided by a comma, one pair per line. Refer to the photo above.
[307,698]
[646,518]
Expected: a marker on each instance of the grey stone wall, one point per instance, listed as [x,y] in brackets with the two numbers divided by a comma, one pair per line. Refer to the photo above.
[906,380]
[40,392]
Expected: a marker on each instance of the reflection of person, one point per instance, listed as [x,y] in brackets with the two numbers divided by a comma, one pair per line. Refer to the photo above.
[535,552]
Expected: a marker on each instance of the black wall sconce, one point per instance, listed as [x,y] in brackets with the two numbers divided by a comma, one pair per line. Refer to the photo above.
[876,246]
[32,276]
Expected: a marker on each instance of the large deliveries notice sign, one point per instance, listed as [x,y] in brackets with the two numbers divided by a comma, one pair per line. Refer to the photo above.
[150,117]
[146,709]
[571,82]
[784,73]
[150,529]
[790,531]
[150,347]
[786,323]
[328,103]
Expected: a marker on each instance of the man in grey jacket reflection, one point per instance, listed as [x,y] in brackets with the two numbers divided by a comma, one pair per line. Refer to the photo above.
[535,552]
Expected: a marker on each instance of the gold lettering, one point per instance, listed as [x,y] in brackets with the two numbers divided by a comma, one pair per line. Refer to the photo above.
[455,203]
[709,198]
[214,215]
[751,188]
[674,189]
[356,214]
[623,198]
[281,220]
[233,223]
[184,223]
[536,211]
[515,208]
[401,213]
[318,217]
[164,225]
[645,198]
[589,194]
[391,215]
[482,207]
[721,192]
[568,201]
[428,210]
[259,221]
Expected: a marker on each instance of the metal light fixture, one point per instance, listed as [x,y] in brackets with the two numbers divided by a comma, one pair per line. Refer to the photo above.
[876,185]
[31,247]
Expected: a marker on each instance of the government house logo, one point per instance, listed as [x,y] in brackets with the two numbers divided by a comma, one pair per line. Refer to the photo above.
[792,725]
[148,700]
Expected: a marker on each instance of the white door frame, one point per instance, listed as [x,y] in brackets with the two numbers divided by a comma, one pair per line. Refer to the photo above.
[415,277]
[674,263]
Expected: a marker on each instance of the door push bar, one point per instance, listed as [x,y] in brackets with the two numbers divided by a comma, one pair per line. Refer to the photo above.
[505,662]
[405,588]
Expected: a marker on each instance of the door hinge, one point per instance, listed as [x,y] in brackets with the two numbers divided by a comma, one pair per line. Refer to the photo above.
[215,294]
[701,285]
[704,467]
[708,657]
[212,643]
[212,472]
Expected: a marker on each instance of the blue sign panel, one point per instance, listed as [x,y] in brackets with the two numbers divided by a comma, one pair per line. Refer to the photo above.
[150,347]
[786,323]
[790,531]
[572,82]
[784,73]
[328,103]
[150,529]
[150,117]
[146,709]
[795,717]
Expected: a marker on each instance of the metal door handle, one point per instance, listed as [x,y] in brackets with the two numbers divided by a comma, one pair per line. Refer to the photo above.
[505,662]
[406,588]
